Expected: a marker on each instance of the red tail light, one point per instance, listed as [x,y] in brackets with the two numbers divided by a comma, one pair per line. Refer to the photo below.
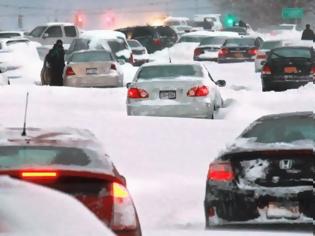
[157,42]
[197,52]
[199,91]
[113,67]
[252,51]
[261,55]
[221,171]
[313,70]
[137,93]
[266,70]
[69,71]
[39,174]
[223,52]
[124,215]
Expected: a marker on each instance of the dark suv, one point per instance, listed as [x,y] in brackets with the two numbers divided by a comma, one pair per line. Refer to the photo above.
[154,38]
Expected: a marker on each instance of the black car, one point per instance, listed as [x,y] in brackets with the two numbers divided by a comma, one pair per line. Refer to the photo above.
[239,49]
[267,175]
[287,68]
[153,38]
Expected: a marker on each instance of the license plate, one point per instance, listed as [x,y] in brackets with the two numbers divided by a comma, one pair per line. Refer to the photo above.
[290,70]
[168,94]
[91,71]
[238,55]
[288,210]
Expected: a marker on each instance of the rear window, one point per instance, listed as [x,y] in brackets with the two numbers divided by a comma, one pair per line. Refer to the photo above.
[12,157]
[70,31]
[168,71]
[213,41]
[287,129]
[284,27]
[268,45]
[165,32]
[9,35]
[134,44]
[291,53]
[240,42]
[91,56]
[191,39]
[117,45]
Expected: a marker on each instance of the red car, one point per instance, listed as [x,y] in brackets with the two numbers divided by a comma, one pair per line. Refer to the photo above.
[71,161]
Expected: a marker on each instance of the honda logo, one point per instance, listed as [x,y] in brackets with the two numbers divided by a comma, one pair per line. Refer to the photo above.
[285,164]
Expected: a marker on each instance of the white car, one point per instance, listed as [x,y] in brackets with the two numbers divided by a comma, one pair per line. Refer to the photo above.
[174,90]
[11,34]
[214,18]
[139,52]
[29,209]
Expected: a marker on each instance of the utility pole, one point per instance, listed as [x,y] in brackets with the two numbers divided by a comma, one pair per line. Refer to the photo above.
[20,20]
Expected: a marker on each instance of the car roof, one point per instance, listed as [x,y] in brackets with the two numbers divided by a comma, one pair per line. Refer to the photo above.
[171,64]
[92,50]
[104,34]
[58,23]
[285,115]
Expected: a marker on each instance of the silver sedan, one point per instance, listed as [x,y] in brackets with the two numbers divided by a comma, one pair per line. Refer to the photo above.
[174,90]
[92,68]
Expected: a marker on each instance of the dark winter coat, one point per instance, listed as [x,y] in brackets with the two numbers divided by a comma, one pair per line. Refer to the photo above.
[308,34]
[56,62]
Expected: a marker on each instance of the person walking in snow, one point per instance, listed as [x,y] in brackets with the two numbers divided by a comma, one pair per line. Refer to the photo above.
[308,33]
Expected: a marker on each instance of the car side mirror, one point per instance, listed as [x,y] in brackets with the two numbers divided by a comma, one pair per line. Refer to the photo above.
[128,85]
[220,83]
[45,35]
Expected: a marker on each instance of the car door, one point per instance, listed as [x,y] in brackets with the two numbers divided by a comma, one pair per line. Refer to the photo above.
[52,34]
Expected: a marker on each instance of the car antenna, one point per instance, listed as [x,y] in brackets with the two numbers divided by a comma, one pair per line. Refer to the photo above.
[25,114]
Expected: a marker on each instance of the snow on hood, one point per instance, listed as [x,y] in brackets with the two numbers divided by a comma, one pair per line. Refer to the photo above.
[29,209]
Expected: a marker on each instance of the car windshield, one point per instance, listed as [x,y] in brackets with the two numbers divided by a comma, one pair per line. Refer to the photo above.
[191,39]
[291,53]
[12,157]
[134,43]
[213,41]
[117,45]
[169,71]
[90,56]
[240,42]
[284,27]
[288,129]
[37,32]
[268,45]
[9,35]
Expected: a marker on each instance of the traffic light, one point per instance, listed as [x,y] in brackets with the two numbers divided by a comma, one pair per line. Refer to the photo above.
[230,20]
[79,19]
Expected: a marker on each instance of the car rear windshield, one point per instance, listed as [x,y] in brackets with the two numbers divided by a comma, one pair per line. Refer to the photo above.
[268,45]
[291,53]
[134,43]
[9,35]
[284,27]
[117,45]
[240,42]
[91,56]
[213,41]
[288,129]
[168,71]
[191,39]
[12,157]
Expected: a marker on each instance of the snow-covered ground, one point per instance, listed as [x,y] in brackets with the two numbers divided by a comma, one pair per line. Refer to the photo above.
[165,160]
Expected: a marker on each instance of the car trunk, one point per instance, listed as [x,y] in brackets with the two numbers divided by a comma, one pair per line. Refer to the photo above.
[239,52]
[290,66]
[91,68]
[286,168]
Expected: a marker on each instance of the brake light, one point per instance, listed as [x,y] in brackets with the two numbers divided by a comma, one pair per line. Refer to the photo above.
[221,171]
[261,55]
[223,52]
[124,215]
[198,91]
[69,71]
[113,67]
[157,42]
[137,93]
[266,70]
[252,51]
[313,70]
[197,52]
[50,174]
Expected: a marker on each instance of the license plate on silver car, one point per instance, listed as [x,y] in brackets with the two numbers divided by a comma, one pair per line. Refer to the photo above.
[288,210]
[168,94]
[91,71]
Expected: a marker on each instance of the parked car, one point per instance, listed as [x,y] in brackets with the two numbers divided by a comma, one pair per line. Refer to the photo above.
[174,90]
[181,29]
[71,161]
[288,67]
[153,38]
[43,211]
[11,34]
[209,47]
[199,21]
[266,176]
[176,21]
[139,52]
[284,29]
[92,68]
[263,52]
[239,49]
[49,33]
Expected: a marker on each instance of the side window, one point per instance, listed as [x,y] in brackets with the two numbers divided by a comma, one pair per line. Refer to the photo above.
[70,31]
[141,32]
[54,32]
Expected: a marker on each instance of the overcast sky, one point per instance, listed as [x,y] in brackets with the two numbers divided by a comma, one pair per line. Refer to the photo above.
[126,12]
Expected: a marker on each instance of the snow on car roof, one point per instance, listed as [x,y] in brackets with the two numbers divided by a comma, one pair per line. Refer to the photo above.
[170,64]
[173,18]
[104,34]
[59,23]
[43,211]
[211,33]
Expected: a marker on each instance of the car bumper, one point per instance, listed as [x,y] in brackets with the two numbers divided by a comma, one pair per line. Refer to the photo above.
[269,83]
[232,59]
[94,81]
[191,110]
